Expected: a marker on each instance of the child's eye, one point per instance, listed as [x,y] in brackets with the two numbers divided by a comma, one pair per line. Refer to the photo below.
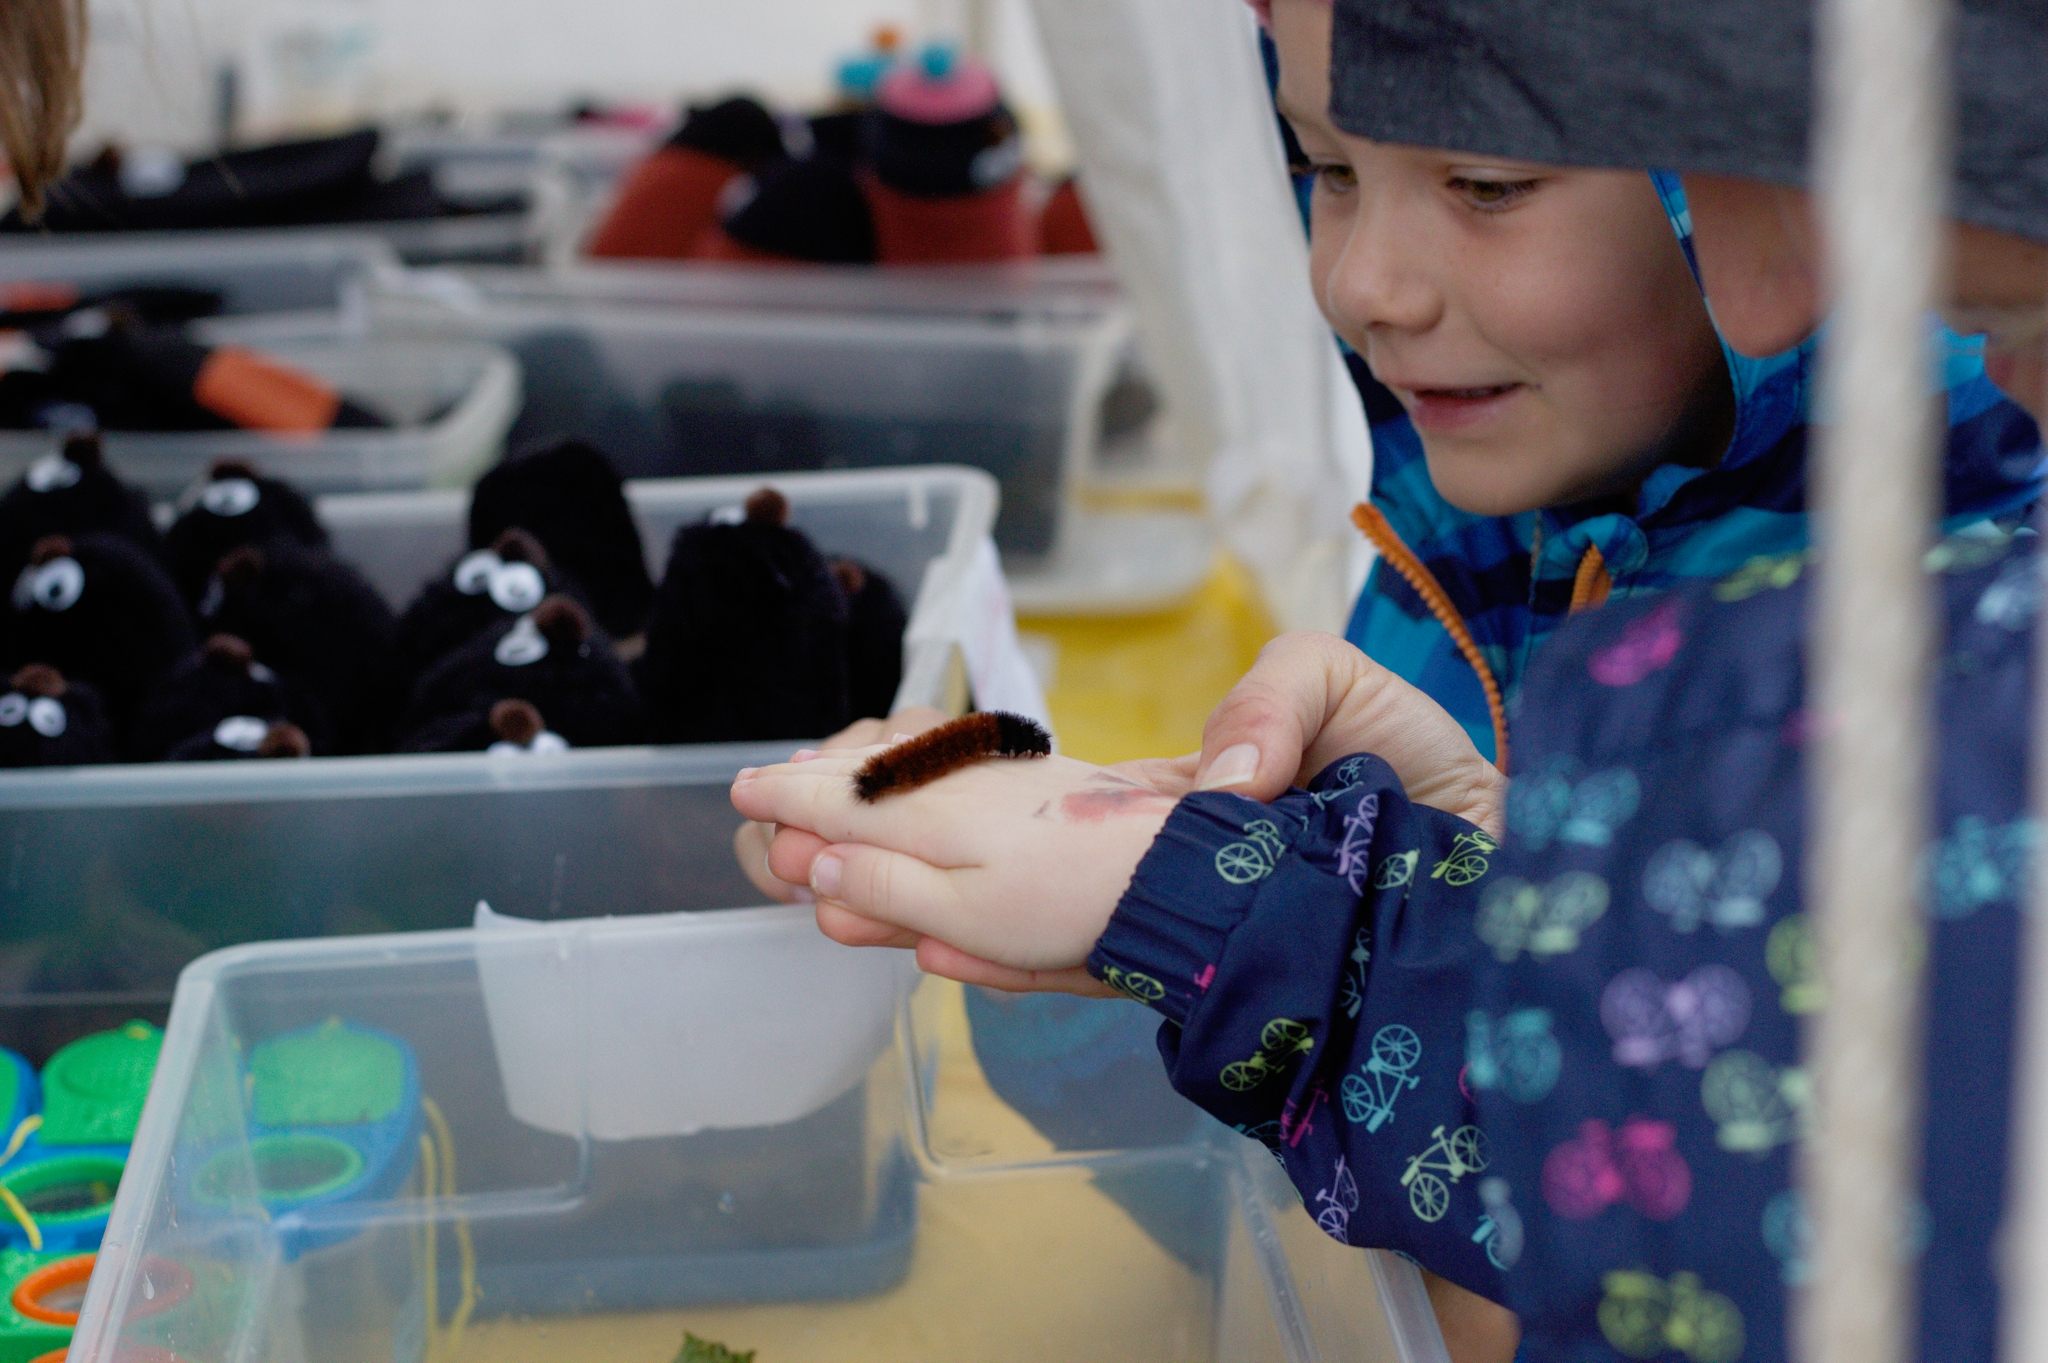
[1329,176]
[1491,196]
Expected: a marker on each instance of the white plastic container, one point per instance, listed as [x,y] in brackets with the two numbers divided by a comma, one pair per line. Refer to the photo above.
[116,877]
[706,380]
[285,278]
[573,1247]
[452,402]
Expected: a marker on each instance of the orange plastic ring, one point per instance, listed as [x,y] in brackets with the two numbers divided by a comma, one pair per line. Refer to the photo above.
[30,1291]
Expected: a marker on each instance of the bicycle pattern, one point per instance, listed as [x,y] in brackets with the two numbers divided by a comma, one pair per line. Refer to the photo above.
[1560,804]
[1638,1166]
[1500,1226]
[2012,600]
[1368,1096]
[1455,1155]
[1652,1022]
[1242,863]
[1691,885]
[1516,916]
[1397,870]
[1336,1203]
[1467,861]
[1647,644]
[1281,1042]
[1134,985]
[1756,1106]
[1788,1235]
[1353,998]
[1355,852]
[1980,864]
[1644,1317]
[1789,955]
[1518,1055]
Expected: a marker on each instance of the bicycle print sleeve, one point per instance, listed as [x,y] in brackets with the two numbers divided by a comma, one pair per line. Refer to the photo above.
[1313,960]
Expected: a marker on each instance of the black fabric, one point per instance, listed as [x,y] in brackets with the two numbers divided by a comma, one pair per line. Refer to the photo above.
[943,160]
[70,728]
[1723,87]
[217,682]
[875,624]
[71,492]
[100,610]
[560,663]
[739,130]
[478,590]
[806,210]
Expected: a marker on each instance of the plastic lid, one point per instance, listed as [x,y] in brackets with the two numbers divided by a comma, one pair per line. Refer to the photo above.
[329,1075]
[93,1088]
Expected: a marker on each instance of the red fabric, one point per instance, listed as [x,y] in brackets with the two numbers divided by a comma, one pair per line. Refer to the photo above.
[664,206]
[1064,229]
[966,229]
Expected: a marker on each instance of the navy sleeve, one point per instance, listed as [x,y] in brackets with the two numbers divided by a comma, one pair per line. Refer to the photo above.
[1313,958]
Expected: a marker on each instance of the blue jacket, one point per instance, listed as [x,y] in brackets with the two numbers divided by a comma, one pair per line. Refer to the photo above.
[1511,579]
[1565,1071]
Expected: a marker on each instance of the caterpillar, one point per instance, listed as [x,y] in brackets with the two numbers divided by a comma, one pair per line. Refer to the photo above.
[953,745]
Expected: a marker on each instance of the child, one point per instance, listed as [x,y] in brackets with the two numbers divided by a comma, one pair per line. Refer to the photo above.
[1627,971]
[1554,418]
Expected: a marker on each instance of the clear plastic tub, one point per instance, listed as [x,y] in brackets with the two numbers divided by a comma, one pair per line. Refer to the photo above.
[283,277]
[452,402]
[116,877]
[834,1236]
[682,385]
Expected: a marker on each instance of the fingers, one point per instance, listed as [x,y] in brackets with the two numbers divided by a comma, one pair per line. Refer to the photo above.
[788,857]
[816,794]
[848,928]
[890,887]
[935,957]
[751,847]
[1254,740]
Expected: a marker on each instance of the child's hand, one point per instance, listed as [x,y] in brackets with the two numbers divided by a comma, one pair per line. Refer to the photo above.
[1312,699]
[1013,865]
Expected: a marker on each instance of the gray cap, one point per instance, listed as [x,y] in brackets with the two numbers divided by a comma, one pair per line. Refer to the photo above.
[1701,85]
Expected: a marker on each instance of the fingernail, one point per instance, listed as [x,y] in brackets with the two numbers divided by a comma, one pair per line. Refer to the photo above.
[745,772]
[799,895]
[1233,766]
[803,754]
[899,738]
[825,875]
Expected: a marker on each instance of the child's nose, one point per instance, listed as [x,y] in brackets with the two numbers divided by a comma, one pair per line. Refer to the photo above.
[1380,277]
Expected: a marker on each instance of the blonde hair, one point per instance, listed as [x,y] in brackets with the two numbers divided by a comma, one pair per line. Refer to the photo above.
[42,52]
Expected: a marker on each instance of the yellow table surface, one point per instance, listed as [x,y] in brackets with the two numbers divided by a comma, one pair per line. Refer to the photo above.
[1124,687]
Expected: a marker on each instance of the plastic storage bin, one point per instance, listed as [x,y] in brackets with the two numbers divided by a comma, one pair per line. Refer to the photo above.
[833,1236]
[116,877]
[283,277]
[686,387]
[452,401]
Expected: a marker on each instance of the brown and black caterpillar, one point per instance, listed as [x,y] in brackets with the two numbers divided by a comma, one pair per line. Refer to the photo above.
[955,744]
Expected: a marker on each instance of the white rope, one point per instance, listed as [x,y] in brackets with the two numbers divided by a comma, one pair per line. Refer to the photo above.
[1882,164]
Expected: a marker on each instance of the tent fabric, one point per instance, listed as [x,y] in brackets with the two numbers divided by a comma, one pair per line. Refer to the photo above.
[1724,87]
[1173,131]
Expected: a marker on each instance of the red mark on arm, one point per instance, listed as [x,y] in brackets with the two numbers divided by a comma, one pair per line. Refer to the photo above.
[1098,806]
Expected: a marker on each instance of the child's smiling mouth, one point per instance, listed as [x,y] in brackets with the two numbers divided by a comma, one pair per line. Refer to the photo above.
[1448,410]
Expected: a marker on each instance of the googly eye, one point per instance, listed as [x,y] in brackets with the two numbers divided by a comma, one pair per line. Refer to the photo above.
[473,575]
[230,497]
[46,716]
[52,473]
[13,709]
[58,585]
[735,514]
[240,733]
[518,588]
[522,645]
[25,589]
[993,165]
[548,741]
[258,672]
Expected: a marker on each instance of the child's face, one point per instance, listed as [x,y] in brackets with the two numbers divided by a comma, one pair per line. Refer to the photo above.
[1539,325]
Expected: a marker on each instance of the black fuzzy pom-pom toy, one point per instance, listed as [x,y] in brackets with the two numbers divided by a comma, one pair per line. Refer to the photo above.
[101,610]
[749,635]
[318,624]
[554,658]
[71,491]
[46,721]
[568,496]
[482,588]
[235,506]
[222,680]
